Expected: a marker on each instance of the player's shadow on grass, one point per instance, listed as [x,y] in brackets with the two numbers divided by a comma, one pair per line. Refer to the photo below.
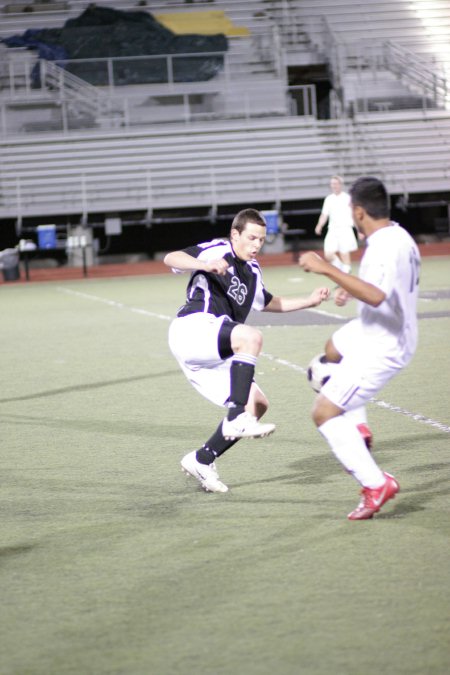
[119,427]
[12,551]
[411,441]
[416,498]
[318,469]
[308,471]
[404,505]
[87,387]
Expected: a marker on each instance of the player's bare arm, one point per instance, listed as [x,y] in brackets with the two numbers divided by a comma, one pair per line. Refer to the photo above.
[320,224]
[181,260]
[359,289]
[283,304]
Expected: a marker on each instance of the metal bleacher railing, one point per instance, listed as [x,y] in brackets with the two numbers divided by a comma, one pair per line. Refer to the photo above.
[240,90]
[243,136]
[404,79]
[214,164]
[251,68]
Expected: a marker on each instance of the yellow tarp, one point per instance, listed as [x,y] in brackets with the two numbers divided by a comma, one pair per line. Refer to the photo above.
[201,23]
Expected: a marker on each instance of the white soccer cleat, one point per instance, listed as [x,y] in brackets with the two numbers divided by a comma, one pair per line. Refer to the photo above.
[245,425]
[206,474]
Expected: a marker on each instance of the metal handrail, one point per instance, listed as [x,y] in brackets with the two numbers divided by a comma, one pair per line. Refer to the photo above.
[371,56]
[417,71]
[116,111]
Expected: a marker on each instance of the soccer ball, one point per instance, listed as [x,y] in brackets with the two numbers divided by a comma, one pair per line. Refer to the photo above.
[319,371]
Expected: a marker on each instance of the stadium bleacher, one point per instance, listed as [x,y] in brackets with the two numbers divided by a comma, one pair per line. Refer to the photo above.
[71,148]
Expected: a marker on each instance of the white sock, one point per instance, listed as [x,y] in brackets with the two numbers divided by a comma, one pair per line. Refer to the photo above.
[349,448]
[357,415]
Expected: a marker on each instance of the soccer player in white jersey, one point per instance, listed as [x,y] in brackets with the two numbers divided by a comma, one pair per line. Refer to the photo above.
[374,347]
[340,238]
[215,349]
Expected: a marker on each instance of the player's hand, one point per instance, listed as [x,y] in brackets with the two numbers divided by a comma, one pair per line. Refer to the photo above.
[318,230]
[218,266]
[311,262]
[341,297]
[319,295]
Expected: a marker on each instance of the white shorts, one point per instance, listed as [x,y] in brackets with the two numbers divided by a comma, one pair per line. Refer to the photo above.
[340,240]
[193,340]
[358,377]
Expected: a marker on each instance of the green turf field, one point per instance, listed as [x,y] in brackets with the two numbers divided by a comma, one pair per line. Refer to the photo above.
[115,563]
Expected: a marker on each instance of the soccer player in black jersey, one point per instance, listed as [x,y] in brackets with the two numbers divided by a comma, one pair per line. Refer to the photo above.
[215,349]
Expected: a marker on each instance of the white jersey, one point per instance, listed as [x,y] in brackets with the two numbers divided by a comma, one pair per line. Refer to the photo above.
[388,332]
[338,210]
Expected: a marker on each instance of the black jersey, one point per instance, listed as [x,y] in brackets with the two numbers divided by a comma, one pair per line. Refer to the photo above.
[234,294]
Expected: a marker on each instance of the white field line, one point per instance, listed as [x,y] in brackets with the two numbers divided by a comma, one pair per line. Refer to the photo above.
[324,313]
[417,417]
[114,303]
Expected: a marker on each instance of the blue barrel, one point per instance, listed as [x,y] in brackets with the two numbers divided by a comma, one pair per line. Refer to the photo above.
[46,236]
[271,218]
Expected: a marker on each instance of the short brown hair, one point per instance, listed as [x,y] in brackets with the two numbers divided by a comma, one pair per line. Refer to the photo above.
[247,215]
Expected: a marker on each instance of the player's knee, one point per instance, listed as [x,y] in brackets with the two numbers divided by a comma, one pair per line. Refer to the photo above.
[256,339]
[246,339]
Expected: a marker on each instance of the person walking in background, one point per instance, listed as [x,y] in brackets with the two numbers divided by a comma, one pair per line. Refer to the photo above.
[340,238]
[214,348]
[372,348]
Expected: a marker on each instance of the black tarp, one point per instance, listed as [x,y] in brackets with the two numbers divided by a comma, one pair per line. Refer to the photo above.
[101,32]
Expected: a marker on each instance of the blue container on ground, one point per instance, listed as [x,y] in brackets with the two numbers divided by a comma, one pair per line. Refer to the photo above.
[46,236]
[271,218]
